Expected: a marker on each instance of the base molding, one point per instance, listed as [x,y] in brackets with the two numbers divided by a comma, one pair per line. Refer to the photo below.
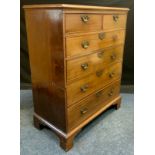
[52,127]
[66,139]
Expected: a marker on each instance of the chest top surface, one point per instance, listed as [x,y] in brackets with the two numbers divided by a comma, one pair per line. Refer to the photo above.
[71,6]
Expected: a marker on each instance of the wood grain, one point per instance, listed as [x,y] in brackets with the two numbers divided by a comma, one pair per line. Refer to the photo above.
[74,47]
[46,60]
[93,82]
[91,104]
[102,58]
[77,25]
[110,24]
[71,6]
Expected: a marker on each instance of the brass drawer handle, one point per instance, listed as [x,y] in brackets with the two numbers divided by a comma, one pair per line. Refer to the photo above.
[85,18]
[83,111]
[84,66]
[115,18]
[99,73]
[101,35]
[85,44]
[113,56]
[111,93]
[111,75]
[98,94]
[100,54]
[84,88]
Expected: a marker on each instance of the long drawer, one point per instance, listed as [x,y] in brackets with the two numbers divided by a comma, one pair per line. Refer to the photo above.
[85,65]
[82,110]
[80,45]
[83,87]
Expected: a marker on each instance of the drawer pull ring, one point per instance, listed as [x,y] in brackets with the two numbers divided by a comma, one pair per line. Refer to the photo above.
[115,18]
[84,88]
[98,94]
[85,18]
[101,35]
[111,92]
[85,44]
[113,57]
[100,54]
[83,111]
[111,75]
[99,73]
[84,66]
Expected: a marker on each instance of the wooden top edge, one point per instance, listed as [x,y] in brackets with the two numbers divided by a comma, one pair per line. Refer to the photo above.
[71,6]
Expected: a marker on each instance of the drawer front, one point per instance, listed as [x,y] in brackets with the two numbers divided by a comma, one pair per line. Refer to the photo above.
[82,110]
[82,22]
[111,22]
[81,45]
[82,66]
[82,88]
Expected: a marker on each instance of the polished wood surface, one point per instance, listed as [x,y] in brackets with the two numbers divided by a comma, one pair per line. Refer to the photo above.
[74,44]
[87,85]
[85,65]
[47,62]
[82,110]
[114,22]
[76,55]
[79,22]
[72,6]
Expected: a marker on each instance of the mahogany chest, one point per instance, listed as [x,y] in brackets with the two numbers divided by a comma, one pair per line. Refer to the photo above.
[76,54]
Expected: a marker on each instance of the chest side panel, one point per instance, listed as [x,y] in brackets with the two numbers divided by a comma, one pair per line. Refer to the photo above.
[45,42]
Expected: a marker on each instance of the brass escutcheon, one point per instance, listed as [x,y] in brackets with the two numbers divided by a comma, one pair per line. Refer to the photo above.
[115,18]
[84,66]
[101,35]
[111,75]
[85,18]
[111,92]
[85,44]
[84,88]
[83,111]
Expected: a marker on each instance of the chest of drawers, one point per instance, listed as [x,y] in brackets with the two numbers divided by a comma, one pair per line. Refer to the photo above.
[76,56]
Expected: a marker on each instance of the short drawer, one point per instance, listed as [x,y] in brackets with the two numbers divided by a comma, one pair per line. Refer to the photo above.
[84,44]
[111,22]
[85,86]
[82,66]
[82,22]
[82,110]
